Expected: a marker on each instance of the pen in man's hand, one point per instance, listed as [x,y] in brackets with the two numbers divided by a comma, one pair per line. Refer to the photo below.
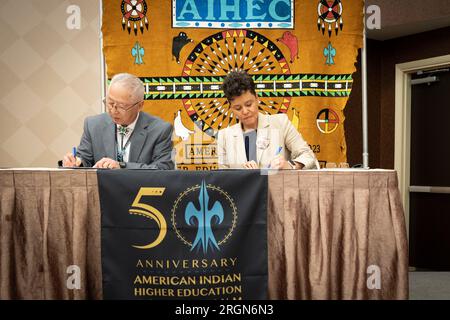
[74,153]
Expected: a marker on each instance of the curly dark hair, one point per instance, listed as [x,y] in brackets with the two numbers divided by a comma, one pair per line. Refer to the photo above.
[236,83]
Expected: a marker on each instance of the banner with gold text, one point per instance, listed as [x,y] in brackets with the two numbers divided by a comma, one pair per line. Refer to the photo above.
[183,234]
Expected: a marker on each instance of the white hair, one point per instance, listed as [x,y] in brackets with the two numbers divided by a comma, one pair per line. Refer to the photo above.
[131,82]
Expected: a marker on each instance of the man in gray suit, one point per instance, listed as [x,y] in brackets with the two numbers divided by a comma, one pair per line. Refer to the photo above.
[124,137]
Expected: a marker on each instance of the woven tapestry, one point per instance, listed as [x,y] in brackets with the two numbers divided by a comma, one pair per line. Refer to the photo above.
[300,53]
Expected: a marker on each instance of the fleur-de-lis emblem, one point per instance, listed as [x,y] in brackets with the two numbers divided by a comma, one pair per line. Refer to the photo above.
[204,217]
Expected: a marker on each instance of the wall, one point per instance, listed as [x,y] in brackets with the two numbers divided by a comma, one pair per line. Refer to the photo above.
[382,57]
[49,79]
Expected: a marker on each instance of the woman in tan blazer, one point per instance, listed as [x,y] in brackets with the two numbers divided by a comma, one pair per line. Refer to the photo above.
[259,141]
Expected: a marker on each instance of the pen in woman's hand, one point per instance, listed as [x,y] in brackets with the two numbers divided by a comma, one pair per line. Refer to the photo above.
[276,154]
[278,151]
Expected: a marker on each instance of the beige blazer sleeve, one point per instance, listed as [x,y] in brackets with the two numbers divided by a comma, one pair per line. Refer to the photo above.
[299,148]
[222,150]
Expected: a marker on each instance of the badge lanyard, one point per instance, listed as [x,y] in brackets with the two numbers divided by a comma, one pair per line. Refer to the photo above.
[121,150]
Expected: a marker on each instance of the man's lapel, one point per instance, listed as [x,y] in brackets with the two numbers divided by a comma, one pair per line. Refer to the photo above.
[109,139]
[138,139]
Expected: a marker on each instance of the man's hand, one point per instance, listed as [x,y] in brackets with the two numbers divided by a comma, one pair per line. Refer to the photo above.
[251,165]
[107,163]
[70,161]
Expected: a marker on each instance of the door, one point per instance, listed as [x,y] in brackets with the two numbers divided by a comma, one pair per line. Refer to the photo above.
[429,191]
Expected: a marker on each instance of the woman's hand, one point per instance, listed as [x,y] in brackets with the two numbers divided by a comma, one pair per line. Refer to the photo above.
[251,165]
[279,163]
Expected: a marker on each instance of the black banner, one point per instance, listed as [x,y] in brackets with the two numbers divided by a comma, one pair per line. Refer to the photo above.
[183,234]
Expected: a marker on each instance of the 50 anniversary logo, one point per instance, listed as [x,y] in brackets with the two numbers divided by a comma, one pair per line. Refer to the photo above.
[203,217]
[179,235]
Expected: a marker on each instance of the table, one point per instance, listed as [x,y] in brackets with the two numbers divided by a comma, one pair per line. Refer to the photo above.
[332,234]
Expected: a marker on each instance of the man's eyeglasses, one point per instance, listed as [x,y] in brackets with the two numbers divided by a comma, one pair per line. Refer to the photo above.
[122,108]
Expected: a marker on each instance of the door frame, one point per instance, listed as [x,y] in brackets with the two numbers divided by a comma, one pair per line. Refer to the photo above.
[402,150]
